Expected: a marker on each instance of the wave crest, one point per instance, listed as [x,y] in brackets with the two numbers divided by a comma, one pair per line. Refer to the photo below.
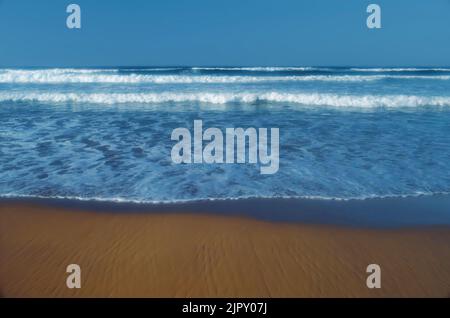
[60,76]
[364,101]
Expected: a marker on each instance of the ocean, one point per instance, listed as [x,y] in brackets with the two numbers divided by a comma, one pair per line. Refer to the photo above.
[105,133]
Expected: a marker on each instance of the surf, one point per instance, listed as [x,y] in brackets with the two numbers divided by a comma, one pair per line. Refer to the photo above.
[175,76]
[305,99]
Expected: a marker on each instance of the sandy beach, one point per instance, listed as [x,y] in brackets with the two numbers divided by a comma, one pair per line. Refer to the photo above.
[200,255]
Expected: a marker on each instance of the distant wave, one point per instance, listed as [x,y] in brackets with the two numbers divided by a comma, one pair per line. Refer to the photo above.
[60,76]
[309,68]
[57,71]
[153,69]
[399,69]
[262,68]
[45,77]
[364,101]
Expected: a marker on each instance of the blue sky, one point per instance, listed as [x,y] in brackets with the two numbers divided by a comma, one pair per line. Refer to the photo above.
[224,32]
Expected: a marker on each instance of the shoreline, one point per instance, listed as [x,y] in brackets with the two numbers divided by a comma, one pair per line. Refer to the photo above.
[388,212]
[189,254]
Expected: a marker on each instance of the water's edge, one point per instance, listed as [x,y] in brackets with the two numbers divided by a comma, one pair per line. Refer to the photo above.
[368,213]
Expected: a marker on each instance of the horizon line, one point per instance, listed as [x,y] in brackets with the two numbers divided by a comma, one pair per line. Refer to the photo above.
[226,66]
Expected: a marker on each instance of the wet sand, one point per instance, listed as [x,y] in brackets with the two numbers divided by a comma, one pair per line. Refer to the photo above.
[204,255]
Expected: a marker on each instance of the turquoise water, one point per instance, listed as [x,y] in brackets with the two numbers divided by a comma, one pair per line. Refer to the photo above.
[104,134]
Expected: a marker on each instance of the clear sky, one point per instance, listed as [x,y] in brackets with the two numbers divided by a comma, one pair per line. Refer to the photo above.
[224,32]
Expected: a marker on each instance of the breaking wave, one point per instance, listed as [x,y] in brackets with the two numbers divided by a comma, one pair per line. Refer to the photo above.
[61,76]
[365,101]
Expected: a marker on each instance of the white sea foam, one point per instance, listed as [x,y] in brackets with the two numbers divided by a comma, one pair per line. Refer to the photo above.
[333,100]
[61,76]
[209,199]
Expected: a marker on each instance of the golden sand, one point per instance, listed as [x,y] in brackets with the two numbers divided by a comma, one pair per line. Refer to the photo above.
[189,255]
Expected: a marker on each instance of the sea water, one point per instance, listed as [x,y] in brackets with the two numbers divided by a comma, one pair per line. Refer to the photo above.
[105,134]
